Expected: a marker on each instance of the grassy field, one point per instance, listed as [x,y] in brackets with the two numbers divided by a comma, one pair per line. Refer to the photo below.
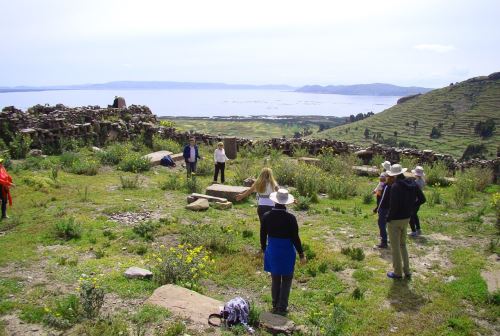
[454,110]
[335,293]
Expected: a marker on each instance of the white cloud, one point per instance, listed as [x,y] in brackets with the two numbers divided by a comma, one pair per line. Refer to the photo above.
[438,48]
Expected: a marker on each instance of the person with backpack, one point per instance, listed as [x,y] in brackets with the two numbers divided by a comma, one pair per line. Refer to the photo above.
[191,155]
[5,185]
[279,240]
[405,197]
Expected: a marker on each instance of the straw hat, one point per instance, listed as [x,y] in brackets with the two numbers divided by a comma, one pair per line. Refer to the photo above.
[396,169]
[282,197]
[386,165]
[418,171]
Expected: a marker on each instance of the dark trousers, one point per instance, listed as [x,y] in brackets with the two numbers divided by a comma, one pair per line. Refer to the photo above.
[280,291]
[261,210]
[4,205]
[415,221]
[382,225]
[219,166]
[191,168]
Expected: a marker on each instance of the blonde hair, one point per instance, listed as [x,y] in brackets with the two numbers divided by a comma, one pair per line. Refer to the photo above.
[265,177]
[220,144]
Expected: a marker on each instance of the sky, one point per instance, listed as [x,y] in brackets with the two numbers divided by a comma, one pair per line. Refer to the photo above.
[426,43]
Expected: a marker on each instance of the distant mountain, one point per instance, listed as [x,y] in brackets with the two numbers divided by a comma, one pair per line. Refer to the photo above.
[148,85]
[376,89]
[446,120]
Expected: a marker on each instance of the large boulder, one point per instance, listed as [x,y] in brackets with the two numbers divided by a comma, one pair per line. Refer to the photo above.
[137,273]
[185,303]
[225,191]
[200,204]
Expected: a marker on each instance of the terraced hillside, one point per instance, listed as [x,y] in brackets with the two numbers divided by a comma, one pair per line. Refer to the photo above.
[454,111]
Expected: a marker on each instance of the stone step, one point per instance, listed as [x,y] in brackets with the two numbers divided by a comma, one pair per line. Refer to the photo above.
[200,204]
[366,170]
[194,196]
[225,191]
[308,160]
[186,304]
[156,157]
[177,157]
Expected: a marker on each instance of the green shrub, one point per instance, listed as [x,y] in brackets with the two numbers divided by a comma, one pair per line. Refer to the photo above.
[134,162]
[436,174]
[64,313]
[242,171]
[215,238]
[308,252]
[149,313]
[68,229]
[146,229]
[68,158]
[38,182]
[176,328]
[114,154]
[85,166]
[247,234]
[104,327]
[192,185]
[205,167]
[463,189]
[91,296]
[308,181]
[130,182]
[340,187]
[355,253]
[482,177]
[160,144]
[20,146]
[357,293]
[172,182]
[285,171]
[183,265]
[367,197]
[434,197]
[300,152]
[303,203]
[339,165]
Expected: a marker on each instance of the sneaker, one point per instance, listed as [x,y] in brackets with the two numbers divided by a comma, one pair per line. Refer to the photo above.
[419,232]
[393,275]
[413,234]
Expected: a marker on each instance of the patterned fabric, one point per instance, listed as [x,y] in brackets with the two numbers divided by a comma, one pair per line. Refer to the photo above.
[237,311]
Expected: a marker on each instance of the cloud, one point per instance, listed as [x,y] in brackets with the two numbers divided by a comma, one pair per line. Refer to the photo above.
[438,48]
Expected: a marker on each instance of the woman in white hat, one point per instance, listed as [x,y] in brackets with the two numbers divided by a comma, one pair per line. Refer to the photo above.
[419,174]
[279,239]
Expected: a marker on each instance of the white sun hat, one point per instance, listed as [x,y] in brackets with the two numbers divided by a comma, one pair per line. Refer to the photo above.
[386,165]
[396,169]
[282,197]
[418,171]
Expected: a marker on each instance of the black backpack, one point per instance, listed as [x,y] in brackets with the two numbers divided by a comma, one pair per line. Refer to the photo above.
[167,161]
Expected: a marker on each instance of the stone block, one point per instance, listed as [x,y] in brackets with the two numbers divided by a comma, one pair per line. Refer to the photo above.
[137,273]
[177,157]
[225,191]
[222,205]
[366,171]
[276,324]
[200,204]
[156,157]
[308,160]
[185,303]
[195,196]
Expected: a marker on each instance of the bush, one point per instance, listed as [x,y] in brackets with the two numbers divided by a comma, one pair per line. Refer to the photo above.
[85,166]
[285,171]
[308,181]
[91,296]
[242,171]
[68,229]
[303,203]
[114,154]
[183,265]
[463,190]
[340,187]
[192,185]
[160,144]
[134,162]
[218,239]
[482,177]
[368,197]
[146,229]
[473,151]
[173,182]
[130,182]
[434,197]
[104,327]
[436,174]
[20,146]
[205,167]
[355,253]
[176,328]
[339,165]
[64,314]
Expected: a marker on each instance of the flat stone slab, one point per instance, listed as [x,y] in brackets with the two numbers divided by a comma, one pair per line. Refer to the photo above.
[276,324]
[194,196]
[185,303]
[366,171]
[177,157]
[225,191]
[492,279]
[222,205]
[156,157]
[308,160]
[137,273]
[200,204]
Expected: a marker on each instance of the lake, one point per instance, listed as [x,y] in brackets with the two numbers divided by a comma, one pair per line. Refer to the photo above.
[207,103]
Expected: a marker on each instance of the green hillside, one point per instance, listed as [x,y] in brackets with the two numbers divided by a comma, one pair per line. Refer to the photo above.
[454,111]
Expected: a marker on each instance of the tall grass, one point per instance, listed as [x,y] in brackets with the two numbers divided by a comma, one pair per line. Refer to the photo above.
[436,174]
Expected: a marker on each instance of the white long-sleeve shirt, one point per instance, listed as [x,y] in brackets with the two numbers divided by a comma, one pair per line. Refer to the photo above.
[220,155]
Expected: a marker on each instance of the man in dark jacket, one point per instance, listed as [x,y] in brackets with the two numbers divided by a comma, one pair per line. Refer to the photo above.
[191,156]
[405,197]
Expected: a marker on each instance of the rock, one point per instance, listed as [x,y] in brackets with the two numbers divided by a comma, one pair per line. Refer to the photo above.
[137,273]
[198,205]
[195,196]
[35,153]
[222,205]
[96,149]
[492,279]
[225,191]
[308,160]
[177,157]
[185,303]
[156,157]
[276,323]
[366,171]
[230,147]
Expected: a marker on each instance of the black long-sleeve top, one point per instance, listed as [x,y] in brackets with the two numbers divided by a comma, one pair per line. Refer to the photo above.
[405,197]
[383,202]
[279,223]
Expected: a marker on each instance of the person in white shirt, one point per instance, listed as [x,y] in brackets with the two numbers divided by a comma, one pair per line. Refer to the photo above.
[220,159]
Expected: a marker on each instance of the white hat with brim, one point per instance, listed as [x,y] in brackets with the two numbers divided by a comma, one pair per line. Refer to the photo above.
[386,165]
[282,197]
[418,171]
[396,169]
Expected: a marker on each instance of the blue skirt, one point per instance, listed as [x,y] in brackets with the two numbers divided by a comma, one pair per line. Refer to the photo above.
[279,258]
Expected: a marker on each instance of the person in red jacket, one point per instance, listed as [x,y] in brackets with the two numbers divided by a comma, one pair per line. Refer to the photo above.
[5,184]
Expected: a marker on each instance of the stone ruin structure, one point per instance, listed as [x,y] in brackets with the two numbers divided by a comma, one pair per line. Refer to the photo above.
[48,126]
